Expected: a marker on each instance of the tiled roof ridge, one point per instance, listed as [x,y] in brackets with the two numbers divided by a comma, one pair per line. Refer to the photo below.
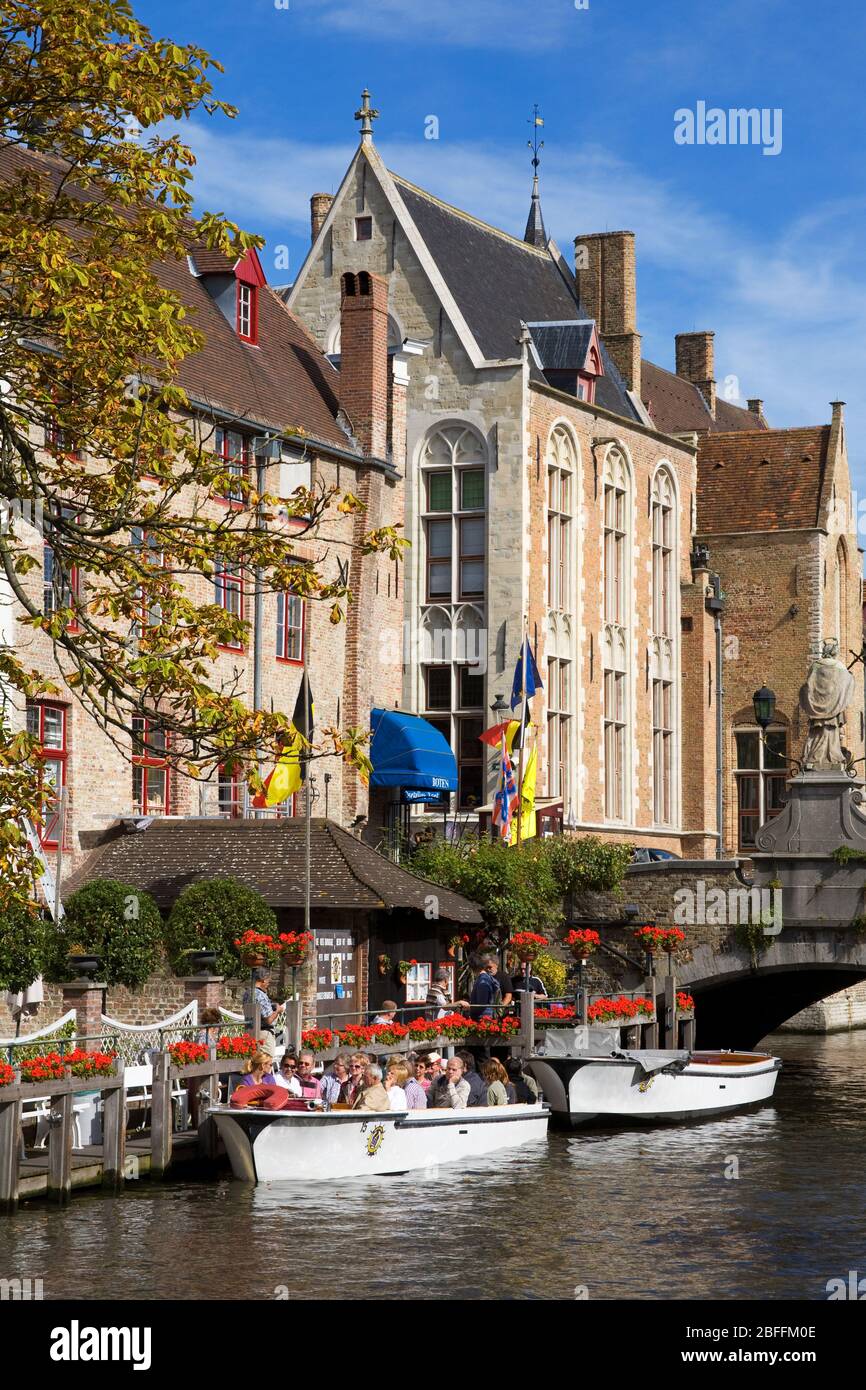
[763,433]
[538,251]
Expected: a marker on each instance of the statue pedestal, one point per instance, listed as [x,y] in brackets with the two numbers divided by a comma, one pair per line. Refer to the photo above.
[825,811]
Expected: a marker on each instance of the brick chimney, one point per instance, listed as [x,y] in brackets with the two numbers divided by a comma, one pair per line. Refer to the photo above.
[696,363]
[604,268]
[756,407]
[364,376]
[320,206]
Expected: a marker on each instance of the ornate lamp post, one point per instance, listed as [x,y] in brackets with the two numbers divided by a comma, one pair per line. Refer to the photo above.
[764,705]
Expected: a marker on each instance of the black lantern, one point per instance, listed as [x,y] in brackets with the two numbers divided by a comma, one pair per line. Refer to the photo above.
[499,708]
[764,704]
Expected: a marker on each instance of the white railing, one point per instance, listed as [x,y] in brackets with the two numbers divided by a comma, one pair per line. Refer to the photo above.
[24,1038]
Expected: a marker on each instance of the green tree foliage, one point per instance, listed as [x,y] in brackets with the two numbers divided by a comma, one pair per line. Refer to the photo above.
[585,865]
[97,433]
[210,916]
[522,889]
[113,920]
[22,948]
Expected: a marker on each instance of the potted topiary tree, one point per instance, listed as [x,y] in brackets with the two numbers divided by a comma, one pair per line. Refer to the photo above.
[210,916]
[111,927]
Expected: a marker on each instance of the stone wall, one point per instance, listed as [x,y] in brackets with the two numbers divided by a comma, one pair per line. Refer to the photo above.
[838,1013]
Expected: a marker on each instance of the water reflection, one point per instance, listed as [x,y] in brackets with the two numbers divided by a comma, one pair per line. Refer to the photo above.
[756,1206]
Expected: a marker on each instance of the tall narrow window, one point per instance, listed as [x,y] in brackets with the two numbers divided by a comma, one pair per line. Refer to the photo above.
[149,768]
[60,586]
[560,489]
[616,637]
[558,724]
[454,528]
[663,735]
[234,450]
[229,594]
[290,627]
[664,648]
[840,600]
[149,551]
[614,744]
[247,312]
[47,723]
[761,775]
[230,793]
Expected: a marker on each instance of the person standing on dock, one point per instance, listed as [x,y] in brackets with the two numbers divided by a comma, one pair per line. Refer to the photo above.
[268,1014]
[486,992]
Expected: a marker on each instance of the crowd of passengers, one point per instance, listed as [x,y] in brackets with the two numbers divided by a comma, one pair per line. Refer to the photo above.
[407,1081]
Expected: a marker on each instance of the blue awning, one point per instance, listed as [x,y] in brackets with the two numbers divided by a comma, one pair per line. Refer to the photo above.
[408,752]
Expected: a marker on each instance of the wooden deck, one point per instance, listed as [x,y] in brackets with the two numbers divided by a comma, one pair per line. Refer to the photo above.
[86,1169]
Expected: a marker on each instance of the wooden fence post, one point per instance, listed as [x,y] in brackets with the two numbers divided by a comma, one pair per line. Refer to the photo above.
[527,1023]
[114,1133]
[294,1024]
[60,1147]
[160,1116]
[651,1031]
[10,1131]
[208,1095]
[670,1011]
[689,1034]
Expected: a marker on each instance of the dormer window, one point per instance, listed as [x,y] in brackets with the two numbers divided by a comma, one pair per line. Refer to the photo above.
[247,309]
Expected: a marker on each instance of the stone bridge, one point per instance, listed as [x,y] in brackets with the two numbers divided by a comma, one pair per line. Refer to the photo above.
[747,980]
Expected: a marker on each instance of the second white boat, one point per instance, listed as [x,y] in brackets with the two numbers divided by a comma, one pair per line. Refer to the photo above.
[280,1145]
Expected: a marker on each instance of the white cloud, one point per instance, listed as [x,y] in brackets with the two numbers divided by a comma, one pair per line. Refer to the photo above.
[488,24]
[789,311]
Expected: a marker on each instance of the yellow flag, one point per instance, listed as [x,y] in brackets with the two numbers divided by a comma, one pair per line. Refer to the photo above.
[286,776]
[527,799]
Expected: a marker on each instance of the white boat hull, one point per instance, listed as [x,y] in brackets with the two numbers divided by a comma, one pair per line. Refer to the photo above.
[275,1146]
[605,1089]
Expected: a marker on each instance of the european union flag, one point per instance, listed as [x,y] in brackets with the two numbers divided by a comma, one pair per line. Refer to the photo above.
[525,667]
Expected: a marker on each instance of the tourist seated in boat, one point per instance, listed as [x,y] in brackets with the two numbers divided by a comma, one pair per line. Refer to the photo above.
[525,1087]
[396,1076]
[372,1095]
[477,1088]
[335,1078]
[497,1081]
[450,1091]
[416,1094]
[268,1012]
[286,1074]
[258,1071]
[387,1013]
[311,1086]
[354,1084]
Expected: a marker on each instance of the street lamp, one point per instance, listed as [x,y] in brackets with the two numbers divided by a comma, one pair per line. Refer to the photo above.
[764,705]
[499,708]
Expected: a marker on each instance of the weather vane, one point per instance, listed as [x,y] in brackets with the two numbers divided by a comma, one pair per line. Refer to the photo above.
[534,144]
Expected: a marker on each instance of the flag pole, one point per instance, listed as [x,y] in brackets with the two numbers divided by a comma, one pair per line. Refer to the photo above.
[523,714]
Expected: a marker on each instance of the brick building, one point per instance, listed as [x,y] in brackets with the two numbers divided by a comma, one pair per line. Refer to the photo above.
[262,395]
[551,479]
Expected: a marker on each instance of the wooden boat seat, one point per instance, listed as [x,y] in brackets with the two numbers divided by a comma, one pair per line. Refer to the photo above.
[728,1059]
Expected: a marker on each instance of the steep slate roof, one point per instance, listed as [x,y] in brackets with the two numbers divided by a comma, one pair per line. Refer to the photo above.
[498,281]
[562,345]
[285,381]
[267,855]
[676,406]
[761,480]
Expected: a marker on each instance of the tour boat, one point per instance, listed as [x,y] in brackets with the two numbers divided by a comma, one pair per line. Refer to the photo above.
[645,1086]
[288,1145]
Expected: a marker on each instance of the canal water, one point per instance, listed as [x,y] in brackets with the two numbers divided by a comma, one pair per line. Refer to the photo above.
[769,1205]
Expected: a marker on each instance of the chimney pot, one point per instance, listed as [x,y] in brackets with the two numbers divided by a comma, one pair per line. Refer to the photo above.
[364,372]
[604,272]
[320,206]
[695,362]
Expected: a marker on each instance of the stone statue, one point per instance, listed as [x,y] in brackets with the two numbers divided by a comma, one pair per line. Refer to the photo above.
[824,698]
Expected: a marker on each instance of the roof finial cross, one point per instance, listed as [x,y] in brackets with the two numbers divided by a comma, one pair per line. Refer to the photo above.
[366,115]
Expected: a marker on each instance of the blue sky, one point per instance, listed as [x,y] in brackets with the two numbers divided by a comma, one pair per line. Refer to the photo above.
[765,250]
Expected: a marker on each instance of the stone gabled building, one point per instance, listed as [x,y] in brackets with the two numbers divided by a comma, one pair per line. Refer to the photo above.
[551,480]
